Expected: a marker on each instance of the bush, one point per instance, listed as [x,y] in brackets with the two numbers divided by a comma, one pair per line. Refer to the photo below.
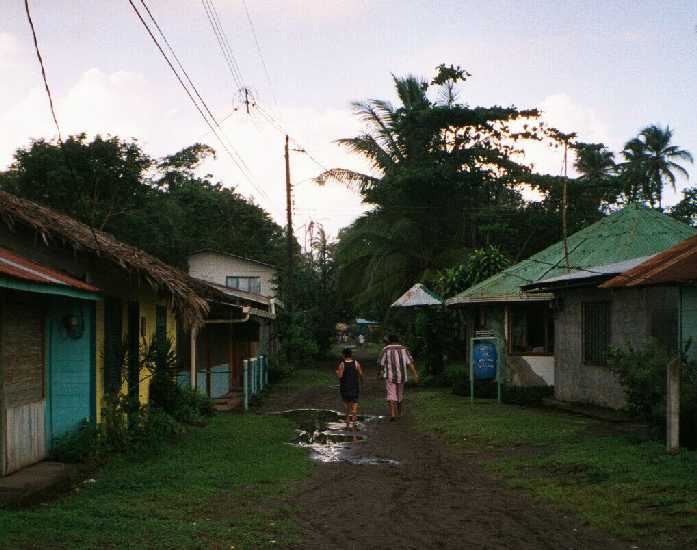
[155,428]
[642,372]
[483,389]
[526,395]
[81,445]
[643,375]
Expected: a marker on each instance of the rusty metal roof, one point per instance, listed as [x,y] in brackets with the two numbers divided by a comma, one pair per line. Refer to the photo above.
[17,267]
[677,264]
[418,295]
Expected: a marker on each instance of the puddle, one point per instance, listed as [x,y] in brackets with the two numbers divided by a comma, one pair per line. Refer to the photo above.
[325,434]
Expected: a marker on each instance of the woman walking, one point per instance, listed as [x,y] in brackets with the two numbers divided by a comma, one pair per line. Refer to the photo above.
[350,375]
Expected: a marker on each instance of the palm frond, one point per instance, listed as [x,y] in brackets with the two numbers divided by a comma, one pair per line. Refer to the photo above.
[350,178]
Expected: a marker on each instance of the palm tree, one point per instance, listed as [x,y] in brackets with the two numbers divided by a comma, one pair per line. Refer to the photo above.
[387,142]
[594,162]
[652,155]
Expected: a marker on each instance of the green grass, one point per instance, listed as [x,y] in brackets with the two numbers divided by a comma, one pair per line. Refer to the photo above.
[220,487]
[303,379]
[619,484]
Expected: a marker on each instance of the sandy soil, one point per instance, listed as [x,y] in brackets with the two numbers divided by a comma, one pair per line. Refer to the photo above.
[434,498]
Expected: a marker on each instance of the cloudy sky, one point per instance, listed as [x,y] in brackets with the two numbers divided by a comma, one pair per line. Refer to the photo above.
[603,69]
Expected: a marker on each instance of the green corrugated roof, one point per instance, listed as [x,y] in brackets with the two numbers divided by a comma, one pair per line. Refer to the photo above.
[629,233]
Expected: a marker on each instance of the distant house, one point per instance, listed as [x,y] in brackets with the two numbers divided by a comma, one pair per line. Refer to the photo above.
[233,272]
[673,273]
[222,344]
[77,308]
[556,324]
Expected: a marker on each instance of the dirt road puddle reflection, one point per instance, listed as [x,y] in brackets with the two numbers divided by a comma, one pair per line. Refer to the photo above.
[325,433]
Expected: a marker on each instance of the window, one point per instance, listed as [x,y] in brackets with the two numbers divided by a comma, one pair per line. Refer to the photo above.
[596,332]
[247,284]
[531,329]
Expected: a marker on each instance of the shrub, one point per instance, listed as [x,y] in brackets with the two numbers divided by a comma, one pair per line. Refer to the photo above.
[643,375]
[526,395]
[156,428]
[642,372]
[81,445]
[483,389]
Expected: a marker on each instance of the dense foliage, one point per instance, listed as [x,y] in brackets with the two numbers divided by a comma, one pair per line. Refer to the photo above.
[159,205]
[447,180]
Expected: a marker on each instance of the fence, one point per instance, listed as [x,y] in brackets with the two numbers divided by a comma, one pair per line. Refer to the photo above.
[255,377]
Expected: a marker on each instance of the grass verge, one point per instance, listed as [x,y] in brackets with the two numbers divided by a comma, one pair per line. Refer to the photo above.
[618,483]
[221,487]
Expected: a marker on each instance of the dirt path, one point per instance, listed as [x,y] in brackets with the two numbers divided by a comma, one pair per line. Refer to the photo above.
[434,497]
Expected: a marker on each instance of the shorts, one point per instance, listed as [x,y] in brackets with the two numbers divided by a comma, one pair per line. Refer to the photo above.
[395,391]
[349,397]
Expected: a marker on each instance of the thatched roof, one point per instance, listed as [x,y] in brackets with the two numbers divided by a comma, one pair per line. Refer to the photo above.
[189,298]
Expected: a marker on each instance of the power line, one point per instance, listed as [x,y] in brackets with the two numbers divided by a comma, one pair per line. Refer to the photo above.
[43,72]
[235,157]
[176,58]
[261,55]
[223,42]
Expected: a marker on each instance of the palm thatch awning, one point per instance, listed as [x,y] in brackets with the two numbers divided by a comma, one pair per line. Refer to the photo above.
[418,296]
[189,298]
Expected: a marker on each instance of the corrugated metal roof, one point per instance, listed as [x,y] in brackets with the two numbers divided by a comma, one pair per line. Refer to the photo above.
[677,264]
[593,272]
[630,233]
[17,267]
[418,295]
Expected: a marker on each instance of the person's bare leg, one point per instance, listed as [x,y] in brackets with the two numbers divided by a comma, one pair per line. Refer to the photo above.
[354,407]
[348,414]
[393,409]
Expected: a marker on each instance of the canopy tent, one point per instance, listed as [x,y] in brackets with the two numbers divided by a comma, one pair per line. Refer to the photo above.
[418,296]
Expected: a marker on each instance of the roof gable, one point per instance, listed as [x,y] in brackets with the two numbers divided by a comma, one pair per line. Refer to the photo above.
[629,233]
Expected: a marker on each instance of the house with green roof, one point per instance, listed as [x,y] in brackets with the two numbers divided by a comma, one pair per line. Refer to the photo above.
[558,325]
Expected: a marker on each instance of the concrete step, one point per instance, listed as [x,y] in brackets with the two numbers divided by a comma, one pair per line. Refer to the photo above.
[229,401]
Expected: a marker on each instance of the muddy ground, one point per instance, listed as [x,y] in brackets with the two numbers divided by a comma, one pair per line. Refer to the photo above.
[434,498]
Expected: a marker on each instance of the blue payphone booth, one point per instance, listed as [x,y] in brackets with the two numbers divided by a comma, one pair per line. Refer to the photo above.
[486,361]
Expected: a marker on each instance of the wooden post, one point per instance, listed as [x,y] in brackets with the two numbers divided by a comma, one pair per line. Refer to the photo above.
[245,384]
[194,331]
[673,406]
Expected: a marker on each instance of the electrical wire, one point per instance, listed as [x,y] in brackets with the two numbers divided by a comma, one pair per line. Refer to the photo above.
[176,58]
[261,55]
[235,157]
[223,43]
[43,72]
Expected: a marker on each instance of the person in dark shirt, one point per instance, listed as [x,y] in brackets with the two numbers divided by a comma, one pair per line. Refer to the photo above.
[350,375]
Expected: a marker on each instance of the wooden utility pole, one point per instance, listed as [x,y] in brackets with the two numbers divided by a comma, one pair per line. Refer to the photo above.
[289,217]
[564,199]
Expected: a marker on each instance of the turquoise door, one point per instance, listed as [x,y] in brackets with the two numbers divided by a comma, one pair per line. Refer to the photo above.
[70,369]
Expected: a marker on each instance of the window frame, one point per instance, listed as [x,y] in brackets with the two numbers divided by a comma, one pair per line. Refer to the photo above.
[248,278]
[549,320]
[585,306]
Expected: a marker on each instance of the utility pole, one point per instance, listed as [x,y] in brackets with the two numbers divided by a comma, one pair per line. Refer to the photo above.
[564,199]
[289,221]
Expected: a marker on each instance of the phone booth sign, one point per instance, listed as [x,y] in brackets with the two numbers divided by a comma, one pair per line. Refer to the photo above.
[485,358]
[486,362]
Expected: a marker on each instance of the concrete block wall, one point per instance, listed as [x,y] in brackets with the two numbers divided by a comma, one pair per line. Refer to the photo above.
[636,315]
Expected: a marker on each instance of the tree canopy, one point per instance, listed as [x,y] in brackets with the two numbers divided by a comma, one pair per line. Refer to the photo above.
[160,205]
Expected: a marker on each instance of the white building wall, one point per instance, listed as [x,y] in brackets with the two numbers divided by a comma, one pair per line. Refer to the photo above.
[542,366]
[215,268]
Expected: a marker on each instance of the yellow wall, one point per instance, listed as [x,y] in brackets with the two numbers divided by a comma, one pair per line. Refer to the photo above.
[147,300]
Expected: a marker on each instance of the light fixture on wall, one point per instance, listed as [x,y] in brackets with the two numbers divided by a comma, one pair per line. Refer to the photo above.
[74,324]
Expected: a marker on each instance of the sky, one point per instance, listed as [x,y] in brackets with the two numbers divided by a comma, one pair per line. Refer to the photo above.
[603,69]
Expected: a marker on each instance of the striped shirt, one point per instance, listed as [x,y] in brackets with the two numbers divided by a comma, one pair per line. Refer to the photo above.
[394,360]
